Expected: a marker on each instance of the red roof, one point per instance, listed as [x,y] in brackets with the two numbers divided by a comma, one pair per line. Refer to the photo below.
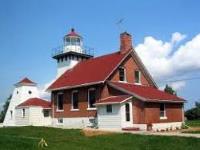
[73,33]
[26,81]
[94,70]
[35,102]
[114,99]
[146,93]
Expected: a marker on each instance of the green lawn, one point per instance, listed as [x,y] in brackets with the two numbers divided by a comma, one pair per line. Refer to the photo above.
[27,138]
[193,123]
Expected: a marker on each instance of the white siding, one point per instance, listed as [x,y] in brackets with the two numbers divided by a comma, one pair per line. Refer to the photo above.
[109,120]
[20,120]
[20,94]
[33,116]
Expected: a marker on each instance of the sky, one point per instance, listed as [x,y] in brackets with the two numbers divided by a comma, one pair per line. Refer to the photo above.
[166,35]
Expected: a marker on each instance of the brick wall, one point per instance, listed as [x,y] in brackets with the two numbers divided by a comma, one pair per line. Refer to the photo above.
[83,103]
[150,112]
[130,65]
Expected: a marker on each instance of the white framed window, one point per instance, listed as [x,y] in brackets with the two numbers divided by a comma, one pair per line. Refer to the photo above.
[60,101]
[23,113]
[74,100]
[91,98]
[60,120]
[122,74]
[162,111]
[109,108]
[46,112]
[137,76]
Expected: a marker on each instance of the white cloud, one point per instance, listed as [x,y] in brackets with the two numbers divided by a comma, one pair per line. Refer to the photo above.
[42,90]
[164,61]
[177,85]
[177,37]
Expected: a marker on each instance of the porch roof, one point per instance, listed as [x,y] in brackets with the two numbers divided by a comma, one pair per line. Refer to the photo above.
[114,99]
[145,93]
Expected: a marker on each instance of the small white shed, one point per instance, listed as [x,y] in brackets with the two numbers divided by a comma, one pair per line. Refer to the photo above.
[34,112]
[115,112]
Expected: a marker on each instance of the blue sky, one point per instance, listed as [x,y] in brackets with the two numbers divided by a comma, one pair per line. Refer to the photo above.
[30,29]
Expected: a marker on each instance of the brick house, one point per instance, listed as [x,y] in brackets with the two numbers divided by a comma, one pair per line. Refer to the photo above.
[113,91]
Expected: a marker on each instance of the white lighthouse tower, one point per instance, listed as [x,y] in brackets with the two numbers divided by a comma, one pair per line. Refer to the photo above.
[71,52]
[24,90]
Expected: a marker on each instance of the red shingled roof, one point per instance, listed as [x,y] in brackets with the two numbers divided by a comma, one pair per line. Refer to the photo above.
[146,93]
[94,70]
[26,81]
[73,33]
[35,102]
[113,99]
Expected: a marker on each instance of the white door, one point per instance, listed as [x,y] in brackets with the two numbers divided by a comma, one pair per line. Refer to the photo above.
[127,115]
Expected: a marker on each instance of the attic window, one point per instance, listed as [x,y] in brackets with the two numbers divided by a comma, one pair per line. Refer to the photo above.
[122,76]
[29,92]
[137,76]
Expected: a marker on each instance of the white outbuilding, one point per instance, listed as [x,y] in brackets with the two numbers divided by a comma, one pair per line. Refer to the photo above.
[33,112]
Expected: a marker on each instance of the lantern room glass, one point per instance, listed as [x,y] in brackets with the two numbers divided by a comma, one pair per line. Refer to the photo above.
[75,41]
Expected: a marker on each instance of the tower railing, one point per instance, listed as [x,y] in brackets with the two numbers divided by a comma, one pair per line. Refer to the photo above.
[64,49]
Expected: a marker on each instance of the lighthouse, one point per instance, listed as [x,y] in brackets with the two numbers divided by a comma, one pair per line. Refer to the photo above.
[23,90]
[72,52]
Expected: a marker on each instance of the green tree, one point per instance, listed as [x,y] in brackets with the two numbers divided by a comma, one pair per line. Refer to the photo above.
[170,90]
[193,113]
[5,108]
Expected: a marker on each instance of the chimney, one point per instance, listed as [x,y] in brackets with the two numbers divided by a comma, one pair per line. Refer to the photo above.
[125,42]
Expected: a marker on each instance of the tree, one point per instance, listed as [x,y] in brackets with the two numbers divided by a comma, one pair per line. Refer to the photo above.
[193,113]
[170,90]
[5,108]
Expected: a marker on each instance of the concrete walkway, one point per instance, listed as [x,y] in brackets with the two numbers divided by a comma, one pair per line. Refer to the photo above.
[172,133]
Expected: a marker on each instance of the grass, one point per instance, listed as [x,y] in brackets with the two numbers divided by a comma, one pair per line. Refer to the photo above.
[23,138]
[193,123]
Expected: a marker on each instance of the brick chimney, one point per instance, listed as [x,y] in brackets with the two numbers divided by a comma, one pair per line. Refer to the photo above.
[125,42]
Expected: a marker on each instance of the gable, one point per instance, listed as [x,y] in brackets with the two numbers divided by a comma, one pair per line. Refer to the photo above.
[132,64]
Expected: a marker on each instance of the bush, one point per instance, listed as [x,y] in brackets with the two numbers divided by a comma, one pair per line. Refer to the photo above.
[193,113]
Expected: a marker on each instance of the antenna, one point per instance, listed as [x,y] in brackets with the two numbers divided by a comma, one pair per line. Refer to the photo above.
[119,24]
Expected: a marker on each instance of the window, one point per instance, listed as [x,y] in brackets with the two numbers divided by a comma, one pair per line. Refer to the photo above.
[162,111]
[46,113]
[109,108]
[74,99]
[29,92]
[60,100]
[91,98]
[60,120]
[137,77]
[23,113]
[11,114]
[122,76]
[127,109]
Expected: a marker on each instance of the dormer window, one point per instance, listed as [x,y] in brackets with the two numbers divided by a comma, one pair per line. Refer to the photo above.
[122,74]
[137,77]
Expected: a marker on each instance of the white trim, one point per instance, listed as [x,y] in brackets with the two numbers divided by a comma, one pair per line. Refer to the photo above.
[134,53]
[137,83]
[72,107]
[107,103]
[76,86]
[59,110]
[163,117]
[90,108]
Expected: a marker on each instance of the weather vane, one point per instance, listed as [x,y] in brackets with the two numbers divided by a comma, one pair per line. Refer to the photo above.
[119,24]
